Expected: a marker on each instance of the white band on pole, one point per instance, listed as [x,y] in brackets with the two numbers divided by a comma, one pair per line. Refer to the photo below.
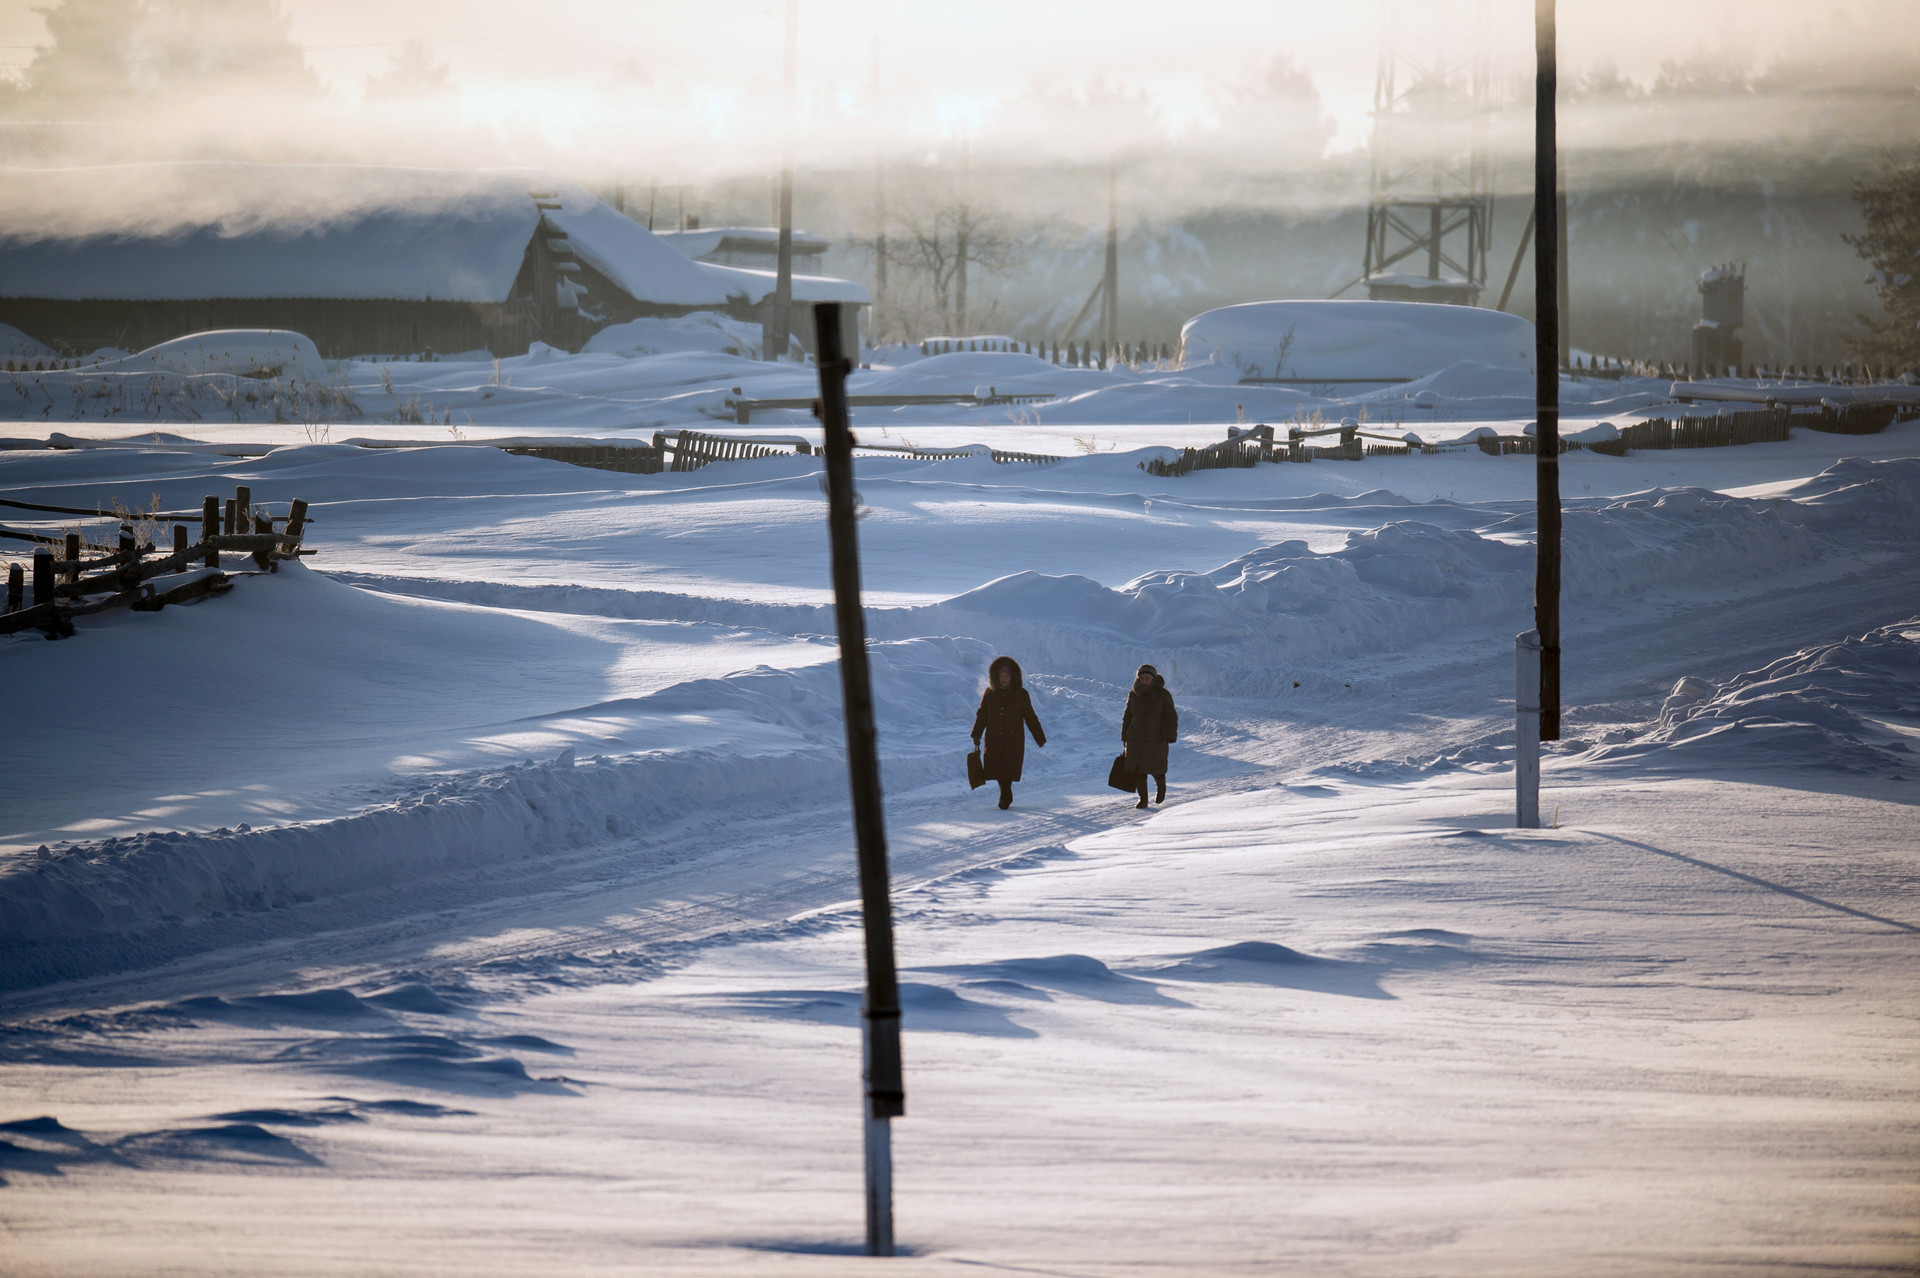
[1526,730]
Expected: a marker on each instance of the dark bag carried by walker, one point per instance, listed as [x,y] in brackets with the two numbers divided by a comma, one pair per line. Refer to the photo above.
[976,770]
[1119,778]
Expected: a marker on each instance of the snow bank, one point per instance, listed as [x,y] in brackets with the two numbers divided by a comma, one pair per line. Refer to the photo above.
[702,332]
[241,374]
[1250,624]
[15,344]
[1849,707]
[92,906]
[1333,340]
[243,352]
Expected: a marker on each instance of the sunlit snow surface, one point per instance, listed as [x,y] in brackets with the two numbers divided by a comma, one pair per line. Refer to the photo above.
[476,896]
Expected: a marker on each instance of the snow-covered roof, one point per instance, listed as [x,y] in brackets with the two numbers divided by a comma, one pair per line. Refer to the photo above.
[712,239]
[1335,340]
[754,285]
[630,255]
[222,229]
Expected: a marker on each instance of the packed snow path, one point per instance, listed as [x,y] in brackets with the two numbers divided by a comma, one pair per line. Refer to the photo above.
[1324,1009]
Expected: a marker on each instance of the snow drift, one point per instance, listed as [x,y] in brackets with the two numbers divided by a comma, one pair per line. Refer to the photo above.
[1335,341]
[1852,706]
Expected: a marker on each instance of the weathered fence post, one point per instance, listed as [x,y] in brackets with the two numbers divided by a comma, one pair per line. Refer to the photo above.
[1526,730]
[180,543]
[880,1009]
[42,576]
[210,528]
[228,526]
[16,587]
[72,549]
[296,517]
[242,507]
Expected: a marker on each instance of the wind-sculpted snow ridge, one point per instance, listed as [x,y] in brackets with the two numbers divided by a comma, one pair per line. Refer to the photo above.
[1852,706]
[1251,625]
[111,904]
[1856,497]
[1248,626]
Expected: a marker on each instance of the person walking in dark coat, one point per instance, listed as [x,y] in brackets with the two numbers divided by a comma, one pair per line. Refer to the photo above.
[1006,713]
[1148,726]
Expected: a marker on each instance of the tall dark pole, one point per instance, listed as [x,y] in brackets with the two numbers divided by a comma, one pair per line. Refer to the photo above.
[876,318]
[1110,297]
[1546,291]
[775,339]
[962,228]
[886,1090]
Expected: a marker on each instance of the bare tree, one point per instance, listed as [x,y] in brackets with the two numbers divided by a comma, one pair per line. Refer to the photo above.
[934,246]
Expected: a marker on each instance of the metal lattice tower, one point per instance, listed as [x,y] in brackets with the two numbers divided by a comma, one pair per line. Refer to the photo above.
[1430,201]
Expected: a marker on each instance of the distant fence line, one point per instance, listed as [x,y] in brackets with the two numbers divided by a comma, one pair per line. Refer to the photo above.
[1247,447]
[1101,355]
[679,451]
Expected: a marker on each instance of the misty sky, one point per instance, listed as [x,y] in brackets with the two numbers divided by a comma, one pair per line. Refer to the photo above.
[566,72]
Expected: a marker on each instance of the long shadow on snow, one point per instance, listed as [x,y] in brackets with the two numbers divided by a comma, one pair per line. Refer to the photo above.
[810,1247]
[1265,963]
[1075,974]
[922,1007]
[1757,881]
[45,1146]
[430,1061]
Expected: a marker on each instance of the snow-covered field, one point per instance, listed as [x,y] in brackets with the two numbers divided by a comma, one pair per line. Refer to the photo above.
[475,897]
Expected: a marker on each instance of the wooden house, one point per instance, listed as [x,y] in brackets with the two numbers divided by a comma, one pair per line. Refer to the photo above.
[362,259]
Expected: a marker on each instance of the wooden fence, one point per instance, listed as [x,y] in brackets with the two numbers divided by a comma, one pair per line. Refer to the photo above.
[679,451]
[744,409]
[136,575]
[637,459]
[1246,446]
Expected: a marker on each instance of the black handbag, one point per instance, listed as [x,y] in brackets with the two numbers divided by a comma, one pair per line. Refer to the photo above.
[1119,778]
[976,770]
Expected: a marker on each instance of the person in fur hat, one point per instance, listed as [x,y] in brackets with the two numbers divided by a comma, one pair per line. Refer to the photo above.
[1006,714]
[1149,725]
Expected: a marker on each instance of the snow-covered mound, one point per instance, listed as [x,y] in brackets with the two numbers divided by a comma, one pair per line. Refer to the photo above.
[1335,340]
[15,344]
[81,906]
[702,332]
[1852,706]
[267,353]
[231,375]
[1261,616]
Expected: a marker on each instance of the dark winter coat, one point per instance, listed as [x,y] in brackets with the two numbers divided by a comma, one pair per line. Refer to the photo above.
[1149,724]
[1005,715]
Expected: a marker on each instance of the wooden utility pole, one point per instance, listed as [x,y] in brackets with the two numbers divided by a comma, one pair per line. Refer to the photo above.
[960,241]
[775,336]
[879,217]
[1563,316]
[886,1096]
[1110,279]
[1548,239]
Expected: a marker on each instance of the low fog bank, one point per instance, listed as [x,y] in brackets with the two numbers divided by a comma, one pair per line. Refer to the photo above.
[1253,187]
